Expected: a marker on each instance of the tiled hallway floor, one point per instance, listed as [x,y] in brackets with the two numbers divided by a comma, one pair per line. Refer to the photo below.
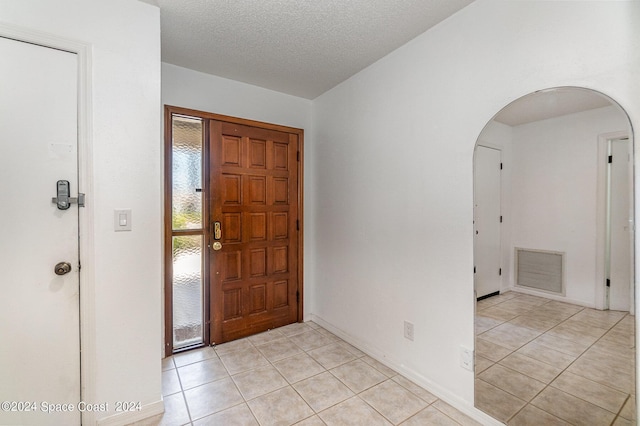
[542,362]
[298,374]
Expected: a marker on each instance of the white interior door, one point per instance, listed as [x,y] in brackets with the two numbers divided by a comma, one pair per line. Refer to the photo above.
[620,211]
[487,220]
[39,310]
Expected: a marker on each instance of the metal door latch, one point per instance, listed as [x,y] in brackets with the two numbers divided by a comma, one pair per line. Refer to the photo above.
[63,201]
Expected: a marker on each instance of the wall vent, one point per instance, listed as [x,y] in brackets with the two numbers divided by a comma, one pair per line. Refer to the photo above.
[540,270]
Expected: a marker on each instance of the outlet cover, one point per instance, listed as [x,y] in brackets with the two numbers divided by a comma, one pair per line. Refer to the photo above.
[408,330]
[466,358]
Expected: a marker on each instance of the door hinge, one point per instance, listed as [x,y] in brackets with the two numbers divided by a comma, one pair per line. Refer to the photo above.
[610,160]
[297,155]
[297,224]
[297,296]
[474,269]
[500,219]
[500,271]
[608,282]
[500,166]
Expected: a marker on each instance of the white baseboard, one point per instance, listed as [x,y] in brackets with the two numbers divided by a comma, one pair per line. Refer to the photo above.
[546,295]
[126,418]
[437,390]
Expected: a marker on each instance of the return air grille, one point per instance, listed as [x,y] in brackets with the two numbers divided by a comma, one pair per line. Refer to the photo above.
[540,270]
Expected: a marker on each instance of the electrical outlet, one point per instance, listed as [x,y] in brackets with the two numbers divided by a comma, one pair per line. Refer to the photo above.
[466,358]
[408,330]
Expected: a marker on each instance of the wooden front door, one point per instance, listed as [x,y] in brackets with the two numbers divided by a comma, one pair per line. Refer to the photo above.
[233,228]
[254,236]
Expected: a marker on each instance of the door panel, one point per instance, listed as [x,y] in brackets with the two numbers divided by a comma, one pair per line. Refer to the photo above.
[487,220]
[39,310]
[254,187]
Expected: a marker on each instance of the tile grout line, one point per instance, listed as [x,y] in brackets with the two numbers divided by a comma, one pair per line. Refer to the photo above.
[184,397]
[618,414]
[238,389]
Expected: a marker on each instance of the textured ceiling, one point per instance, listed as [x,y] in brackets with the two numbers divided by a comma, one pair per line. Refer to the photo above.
[550,103]
[299,47]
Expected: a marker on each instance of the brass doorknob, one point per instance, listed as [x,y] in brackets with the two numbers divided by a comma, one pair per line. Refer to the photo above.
[62,268]
[217,245]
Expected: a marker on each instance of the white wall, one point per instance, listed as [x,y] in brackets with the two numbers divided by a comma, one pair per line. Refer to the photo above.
[186,88]
[554,200]
[393,151]
[123,269]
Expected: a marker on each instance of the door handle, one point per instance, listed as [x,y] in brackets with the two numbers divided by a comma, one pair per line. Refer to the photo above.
[217,231]
[62,268]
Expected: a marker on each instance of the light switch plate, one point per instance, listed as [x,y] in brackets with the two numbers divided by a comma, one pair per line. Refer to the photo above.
[122,220]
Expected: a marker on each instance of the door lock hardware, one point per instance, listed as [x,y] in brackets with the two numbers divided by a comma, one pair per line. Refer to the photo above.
[217,231]
[63,200]
[217,245]
[62,268]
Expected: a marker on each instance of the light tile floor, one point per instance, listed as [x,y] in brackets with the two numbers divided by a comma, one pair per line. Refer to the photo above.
[543,362]
[299,374]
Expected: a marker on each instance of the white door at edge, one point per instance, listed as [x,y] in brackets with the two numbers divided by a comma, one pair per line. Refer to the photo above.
[487,220]
[39,309]
[620,229]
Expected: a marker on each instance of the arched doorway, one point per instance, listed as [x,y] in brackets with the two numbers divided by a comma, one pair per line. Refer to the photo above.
[560,206]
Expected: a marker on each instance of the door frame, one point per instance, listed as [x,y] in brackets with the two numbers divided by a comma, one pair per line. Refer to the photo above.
[86,214]
[601,218]
[167,181]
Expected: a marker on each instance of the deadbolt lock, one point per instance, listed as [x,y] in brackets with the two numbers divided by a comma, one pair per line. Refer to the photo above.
[62,268]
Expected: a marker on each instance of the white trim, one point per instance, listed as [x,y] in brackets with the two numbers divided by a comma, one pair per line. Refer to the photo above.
[444,394]
[128,417]
[86,214]
[551,296]
[488,144]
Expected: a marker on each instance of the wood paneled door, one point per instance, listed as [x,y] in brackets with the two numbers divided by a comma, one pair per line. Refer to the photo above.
[252,243]
[254,182]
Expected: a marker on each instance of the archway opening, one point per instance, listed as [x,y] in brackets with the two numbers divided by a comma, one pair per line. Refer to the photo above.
[553,258]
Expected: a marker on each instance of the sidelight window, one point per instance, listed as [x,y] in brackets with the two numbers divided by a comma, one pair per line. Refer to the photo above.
[187,231]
